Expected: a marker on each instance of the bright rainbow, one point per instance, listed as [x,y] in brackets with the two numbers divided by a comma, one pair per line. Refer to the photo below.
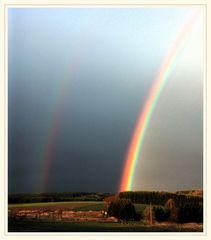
[161,79]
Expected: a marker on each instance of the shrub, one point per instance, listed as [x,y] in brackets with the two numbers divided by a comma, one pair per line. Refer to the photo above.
[148,214]
[190,213]
[108,201]
[161,214]
[138,217]
[122,209]
[173,211]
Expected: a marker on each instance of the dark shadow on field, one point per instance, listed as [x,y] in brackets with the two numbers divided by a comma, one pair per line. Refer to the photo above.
[52,226]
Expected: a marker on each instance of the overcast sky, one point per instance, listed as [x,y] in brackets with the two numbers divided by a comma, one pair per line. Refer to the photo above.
[77,81]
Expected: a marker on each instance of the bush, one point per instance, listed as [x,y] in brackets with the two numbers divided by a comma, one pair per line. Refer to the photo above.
[122,209]
[190,213]
[170,206]
[148,214]
[138,217]
[108,201]
[161,214]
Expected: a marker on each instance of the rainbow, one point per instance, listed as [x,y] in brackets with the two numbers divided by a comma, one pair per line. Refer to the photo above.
[52,134]
[53,130]
[133,154]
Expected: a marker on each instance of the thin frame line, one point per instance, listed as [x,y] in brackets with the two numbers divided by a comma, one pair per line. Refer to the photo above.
[6,107]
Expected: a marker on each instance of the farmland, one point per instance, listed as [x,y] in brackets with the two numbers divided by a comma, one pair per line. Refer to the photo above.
[82,216]
[47,226]
[92,212]
[75,205]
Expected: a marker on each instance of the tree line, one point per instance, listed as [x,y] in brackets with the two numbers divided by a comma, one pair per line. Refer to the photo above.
[56,197]
[160,206]
[160,198]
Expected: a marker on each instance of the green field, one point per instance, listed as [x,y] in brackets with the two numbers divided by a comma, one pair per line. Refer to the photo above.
[76,206]
[27,225]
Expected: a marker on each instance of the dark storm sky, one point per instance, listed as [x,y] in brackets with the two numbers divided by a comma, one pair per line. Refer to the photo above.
[77,81]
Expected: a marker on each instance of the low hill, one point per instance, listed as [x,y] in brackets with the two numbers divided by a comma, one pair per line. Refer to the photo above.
[160,198]
[197,192]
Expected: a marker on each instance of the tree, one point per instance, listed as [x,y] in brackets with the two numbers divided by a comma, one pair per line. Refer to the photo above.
[171,207]
[108,201]
[190,213]
[161,214]
[149,214]
[122,209]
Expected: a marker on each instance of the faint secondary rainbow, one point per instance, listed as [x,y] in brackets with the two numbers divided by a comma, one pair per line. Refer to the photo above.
[52,133]
[133,154]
